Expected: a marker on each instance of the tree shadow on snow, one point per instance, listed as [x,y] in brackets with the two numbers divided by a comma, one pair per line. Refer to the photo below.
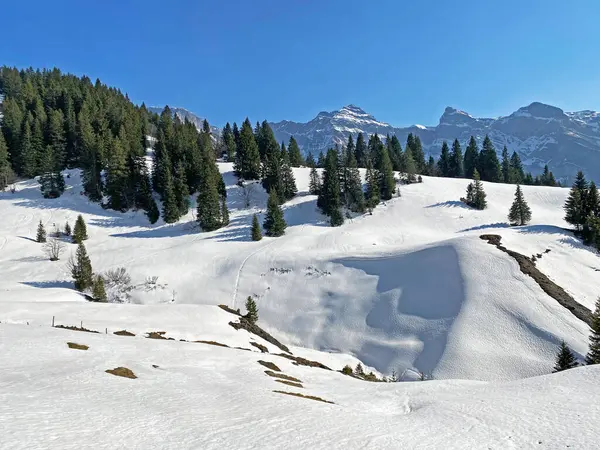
[164,231]
[49,284]
[450,204]
[28,238]
[419,295]
[543,229]
[486,226]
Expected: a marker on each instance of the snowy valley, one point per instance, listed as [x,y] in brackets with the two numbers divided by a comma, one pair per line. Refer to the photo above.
[411,289]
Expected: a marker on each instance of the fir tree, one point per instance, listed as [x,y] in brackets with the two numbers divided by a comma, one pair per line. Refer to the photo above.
[444,161]
[224,213]
[396,154]
[182,192]
[321,160]
[372,196]
[455,164]
[329,194]
[314,184]
[98,290]
[565,359]
[489,166]
[67,229]
[209,205]
[81,269]
[52,181]
[516,176]
[271,155]
[505,166]
[229,142]
[336,218]
[294,153]
[287,176]
[247,162]
[592,206]
[418,155]
[274,223]
[310,160]
[5,169]
[471,159]
[170,207]
[256,232]
[520,213]
[252,311]
[354,196]
[411,168]
[475,194]
[431,169]
[575,206]
[152,212]
[116,176]
[593,356]
[79,230]
[385,174]
[361,151]
[41,233]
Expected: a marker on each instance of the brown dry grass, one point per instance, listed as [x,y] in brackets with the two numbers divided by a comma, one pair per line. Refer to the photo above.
[121,372]
[218,344]
[290,383]
[311,397]
[269,365]
[283,376]
[75,346]
[72,328]
[158,335]
[261,347]
[124,333]
[299,361]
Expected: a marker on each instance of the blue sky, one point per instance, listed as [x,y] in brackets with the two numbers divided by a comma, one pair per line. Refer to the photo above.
[289,59]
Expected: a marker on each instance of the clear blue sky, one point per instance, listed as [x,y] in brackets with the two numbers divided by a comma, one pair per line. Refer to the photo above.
[403,61]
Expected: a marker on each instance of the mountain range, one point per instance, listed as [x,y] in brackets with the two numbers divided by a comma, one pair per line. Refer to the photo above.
[540,133]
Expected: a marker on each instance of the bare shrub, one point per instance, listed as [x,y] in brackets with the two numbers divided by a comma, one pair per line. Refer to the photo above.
[118,276]
[117,285]
[53,249]
[248,191]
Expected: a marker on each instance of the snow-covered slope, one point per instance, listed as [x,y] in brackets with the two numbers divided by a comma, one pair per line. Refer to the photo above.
[541,134]
[410,287]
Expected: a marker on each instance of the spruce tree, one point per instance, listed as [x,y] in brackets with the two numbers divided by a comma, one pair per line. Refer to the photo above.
[565,359]
[310,160]
[360,151]
[489,166]
[505,166]
[294,153]
[520,213]
[170,207]
[396,154]
[336,218]
[329,194]
[81,269]
[271,155]
[593,356]
[471,159]
[252,311]
[475,194]
[516,176]
[314,184]
[354,195]
[431,168]
[287,176]
[418,155]
[41,233]
[5,169]
[79,230]
[385,174]
[274,223]
[592,200]
[444,161]
[575,206]
[247,161]
[372,196]
[256,232]
[229,142]
[209,205]
[116,176]
[224,213]
[98,290]
[67,229]
[411,168]
[182,192]
[321,160]
[455,164]
[152,212]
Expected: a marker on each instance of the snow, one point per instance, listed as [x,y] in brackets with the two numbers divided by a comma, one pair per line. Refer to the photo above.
[409,288]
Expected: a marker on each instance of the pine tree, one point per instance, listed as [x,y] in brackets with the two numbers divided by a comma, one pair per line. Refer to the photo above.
[517,176]
[505,166]
[520,213]
[274,223]
[489,166]
[354,196]
[79,230]
[575,206]
[329,194]
[314,184]
[565,359]
[287,176]
[471,159]
[455,164]
[444,161]
[81,269]
[67,229]
[98,290]
[360,151]
[41,233]
[170,207]
[252,311]
[294,152]
[593,356]
[256,232]
[372,196]
[247,162]
[224,213]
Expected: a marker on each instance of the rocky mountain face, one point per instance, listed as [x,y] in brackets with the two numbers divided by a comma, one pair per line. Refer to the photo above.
[183,114]
[541,134]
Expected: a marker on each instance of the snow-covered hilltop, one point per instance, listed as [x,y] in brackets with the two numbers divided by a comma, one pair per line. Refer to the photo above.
[541,134]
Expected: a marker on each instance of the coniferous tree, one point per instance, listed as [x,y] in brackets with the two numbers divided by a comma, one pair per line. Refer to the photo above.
[505,166]
[565,359]
[444,161]
[471,159]
[229,142]
[372,196]
[116,176]
[516,176]
[592,207]
[411,168]
[5,169]
[98,290]
[475,194]
[29,155]
[209,211]
[431,169]
[67,229]
[354,195]
[528,179]
[81,269]
[329,194]
[90,155]
[181,190]
[455,164]
[593,356]
[396,154]
[256,231]
[310,160]
[170,207]
[489,166]
[418,155]
[252,311]
[575,206]
[294,153]
[274,223]
[41,233]
[321,160]
[79,230]
[520,213]
[385,174]
[288,181]
[247,162]
[224,213]
[361,151]
[271,155]
[336,218]
[52,181]
[314,184]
